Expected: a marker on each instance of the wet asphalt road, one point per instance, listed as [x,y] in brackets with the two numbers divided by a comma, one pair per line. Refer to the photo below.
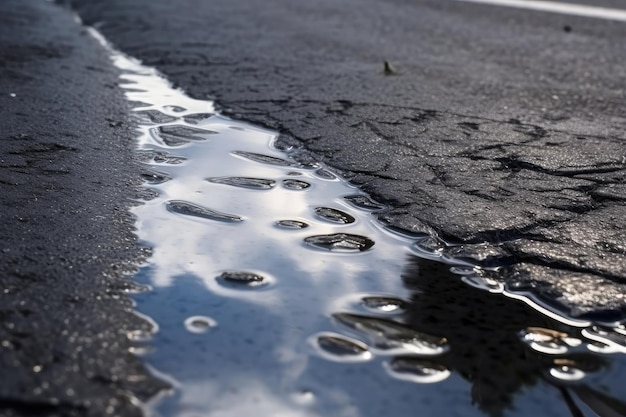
[495,125]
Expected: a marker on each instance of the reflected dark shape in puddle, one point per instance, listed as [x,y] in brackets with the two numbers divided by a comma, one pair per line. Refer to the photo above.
[363,202]
[483,331]
[387,334]
[333,215]
[296,185]
[291,224]
[154,116]
[195,118]
[245,182]
[340,242]
[154,178]
[264,159]
[194,210]
[384,304]
[178,135]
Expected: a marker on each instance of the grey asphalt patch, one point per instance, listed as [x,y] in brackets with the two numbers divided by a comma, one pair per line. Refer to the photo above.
[497,126]
[67,179]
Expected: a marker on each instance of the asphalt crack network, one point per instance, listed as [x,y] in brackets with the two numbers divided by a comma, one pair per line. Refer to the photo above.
[535,196]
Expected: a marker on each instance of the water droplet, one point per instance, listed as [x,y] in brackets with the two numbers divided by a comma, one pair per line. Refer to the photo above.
[199,324]
[190,209]
[548,341]
[195,118]
[295,185]
[154,116]
[245,182]
[155,177]
[291,224]
[177,135]
[363,202]
[334,215]
[391,336]
[417,370]
[325,174]
[384,304]
[340,348]
[241,279]
[340,242]
[264,159]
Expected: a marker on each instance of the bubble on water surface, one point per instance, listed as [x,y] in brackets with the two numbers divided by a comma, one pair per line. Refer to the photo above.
[199,324]
[339,348]
[417,370]
[291,224]
[334,215]
[264,159]
[389,335]
[296,185]
[340,242]
[190,209]
[245,182]
[384,304]
[363,202]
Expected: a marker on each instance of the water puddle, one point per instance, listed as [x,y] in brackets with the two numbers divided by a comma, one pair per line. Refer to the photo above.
[277,293]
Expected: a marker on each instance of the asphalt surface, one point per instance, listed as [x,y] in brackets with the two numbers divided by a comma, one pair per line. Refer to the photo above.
[499,128]
[67,180]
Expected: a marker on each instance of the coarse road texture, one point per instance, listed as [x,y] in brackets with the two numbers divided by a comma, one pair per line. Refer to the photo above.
[66,182]
[492,125]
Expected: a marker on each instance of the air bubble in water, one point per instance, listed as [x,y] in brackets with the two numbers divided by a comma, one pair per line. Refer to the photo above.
[340,242]
[194,210]
[199,324]
[245,182]
[334,215]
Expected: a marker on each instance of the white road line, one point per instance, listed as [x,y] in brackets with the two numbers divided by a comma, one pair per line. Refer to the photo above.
[556,7]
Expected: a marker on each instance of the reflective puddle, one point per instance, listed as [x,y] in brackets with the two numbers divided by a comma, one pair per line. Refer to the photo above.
[276,293]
